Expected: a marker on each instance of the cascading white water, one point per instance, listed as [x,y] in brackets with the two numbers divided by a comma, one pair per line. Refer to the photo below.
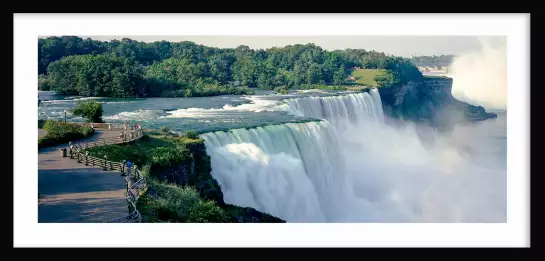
[285,170]
[351,167]
[354,107]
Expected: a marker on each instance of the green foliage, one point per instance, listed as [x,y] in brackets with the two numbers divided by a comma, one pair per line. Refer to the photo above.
[321,87]
[191,135]
[171,203]
[249,215]
[140,153]
[90,110]
[103,75]
[385,80]
[54,48]
[368,77]
[165,130]
[130,68]
[281,90]
[164,157]
[49,124]
[44,83]
[60,132]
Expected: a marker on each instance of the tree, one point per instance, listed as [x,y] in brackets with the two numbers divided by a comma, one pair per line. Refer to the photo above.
[339,76]
[43,83]
[128,68]
[91,111]
[281,90]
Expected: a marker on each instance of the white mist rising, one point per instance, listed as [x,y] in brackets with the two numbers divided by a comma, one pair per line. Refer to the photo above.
[480,76]
[354,168]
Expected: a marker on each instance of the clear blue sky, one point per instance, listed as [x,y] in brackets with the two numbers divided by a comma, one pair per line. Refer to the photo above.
[396,45]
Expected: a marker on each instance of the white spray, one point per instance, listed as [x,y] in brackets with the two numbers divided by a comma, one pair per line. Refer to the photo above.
[480,76]
[353,168]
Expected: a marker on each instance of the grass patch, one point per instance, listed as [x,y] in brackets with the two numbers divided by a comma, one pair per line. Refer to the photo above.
[367,77]
[59,132]
[140,153]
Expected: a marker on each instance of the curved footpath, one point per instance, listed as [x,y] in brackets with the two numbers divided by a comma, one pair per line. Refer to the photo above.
[72,192]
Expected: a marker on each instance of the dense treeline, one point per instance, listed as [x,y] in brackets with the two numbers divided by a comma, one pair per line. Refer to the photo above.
[129,68]
[432,61]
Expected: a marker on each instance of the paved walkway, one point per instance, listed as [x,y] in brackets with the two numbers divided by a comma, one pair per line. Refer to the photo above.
[72,192]
[41,133]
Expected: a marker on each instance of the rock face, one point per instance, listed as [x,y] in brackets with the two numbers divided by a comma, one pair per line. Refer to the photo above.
[250,215]
[430,102]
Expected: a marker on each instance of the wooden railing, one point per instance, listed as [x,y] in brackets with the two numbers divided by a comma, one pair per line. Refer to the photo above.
[136,186]
[108,126]
[135,181]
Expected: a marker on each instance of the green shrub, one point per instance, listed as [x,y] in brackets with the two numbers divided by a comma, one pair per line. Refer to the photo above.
[48,124]
[165,157]
[171,203]
[44,83]
[153,151]
[281,90]
[191,135]
[165,130]
[60,132]
[90,110]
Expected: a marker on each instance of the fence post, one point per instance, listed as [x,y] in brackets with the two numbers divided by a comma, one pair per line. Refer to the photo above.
[123,168]
[70,149]
[86,158]
[128,196]
[105,163]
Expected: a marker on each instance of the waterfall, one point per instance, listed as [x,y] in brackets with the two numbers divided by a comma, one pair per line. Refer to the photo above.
[296,170]
[355,107]
[286,170]
[351,167]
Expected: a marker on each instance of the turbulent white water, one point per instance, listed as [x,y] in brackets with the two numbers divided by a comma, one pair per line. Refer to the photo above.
[351,167]
[350,108]
[134,115]
[256,105]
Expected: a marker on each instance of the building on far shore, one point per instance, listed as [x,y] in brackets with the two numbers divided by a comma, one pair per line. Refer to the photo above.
[438,69]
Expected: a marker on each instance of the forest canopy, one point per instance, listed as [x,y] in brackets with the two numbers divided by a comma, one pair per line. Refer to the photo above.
[128,68]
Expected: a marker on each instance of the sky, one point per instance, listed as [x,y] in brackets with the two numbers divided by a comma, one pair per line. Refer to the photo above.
[394,45]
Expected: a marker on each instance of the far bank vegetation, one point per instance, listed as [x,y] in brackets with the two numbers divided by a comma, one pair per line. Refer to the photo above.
[129,68]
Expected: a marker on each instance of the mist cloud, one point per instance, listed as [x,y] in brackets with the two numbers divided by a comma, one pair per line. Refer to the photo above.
[480,77]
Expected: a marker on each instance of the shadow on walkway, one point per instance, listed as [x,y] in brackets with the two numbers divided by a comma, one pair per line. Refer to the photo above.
[92,179]
[81,208]
[73,192]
